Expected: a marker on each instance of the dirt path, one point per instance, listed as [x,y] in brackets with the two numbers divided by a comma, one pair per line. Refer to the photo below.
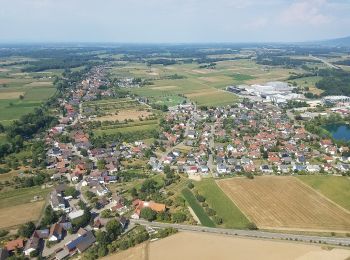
[194,215]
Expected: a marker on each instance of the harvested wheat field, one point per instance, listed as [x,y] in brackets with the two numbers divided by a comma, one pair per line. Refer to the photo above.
[121,115]
[285,203]
[39,84]
[139,252]
[188,246]
[203,93]
[20,214]
[10,95]
[164,87]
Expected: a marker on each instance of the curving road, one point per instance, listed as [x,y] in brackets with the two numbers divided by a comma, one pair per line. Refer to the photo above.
[249,233]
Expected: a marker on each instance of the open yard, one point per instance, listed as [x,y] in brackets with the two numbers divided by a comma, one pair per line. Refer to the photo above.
[285,203]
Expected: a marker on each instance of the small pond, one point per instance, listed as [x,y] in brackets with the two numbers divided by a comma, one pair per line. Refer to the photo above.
[340,132]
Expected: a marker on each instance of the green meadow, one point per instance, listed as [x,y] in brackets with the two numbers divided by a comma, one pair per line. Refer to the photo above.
[336,188]
[224,207]
[200,85]
[21,93]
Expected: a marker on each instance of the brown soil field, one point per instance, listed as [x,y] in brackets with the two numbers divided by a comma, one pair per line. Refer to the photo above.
[4,81]
[39,84]
[188,246]
[285,203]
[124,114]
[10,95]
[20,214]
[164,87]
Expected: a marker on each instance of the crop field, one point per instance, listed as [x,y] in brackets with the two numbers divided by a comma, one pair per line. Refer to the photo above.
[148,125]
[197,208]
[21,92]
[116,109]
[336,188]
[18,203]
[199,85]
[285,203]
[23,213]
[217,200]
[206,246]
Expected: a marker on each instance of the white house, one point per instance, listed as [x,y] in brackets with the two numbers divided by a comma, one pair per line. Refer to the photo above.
[313,168]
[221,168]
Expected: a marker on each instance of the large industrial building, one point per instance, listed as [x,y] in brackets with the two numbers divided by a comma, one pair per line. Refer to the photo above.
[332,100]
[276,91]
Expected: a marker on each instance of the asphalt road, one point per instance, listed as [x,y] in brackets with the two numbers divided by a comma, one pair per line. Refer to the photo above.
[250,233]
[324,61]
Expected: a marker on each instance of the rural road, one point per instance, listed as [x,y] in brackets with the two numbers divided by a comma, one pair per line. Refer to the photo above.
[250,233]
[324,61]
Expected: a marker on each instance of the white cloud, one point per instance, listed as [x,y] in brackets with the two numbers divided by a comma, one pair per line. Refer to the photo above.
[256,23]
[308,12]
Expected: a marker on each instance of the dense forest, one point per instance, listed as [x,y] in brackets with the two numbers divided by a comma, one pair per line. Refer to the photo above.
[334,82]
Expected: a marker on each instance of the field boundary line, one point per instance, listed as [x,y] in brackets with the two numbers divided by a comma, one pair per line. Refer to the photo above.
[322,195]
[216,182]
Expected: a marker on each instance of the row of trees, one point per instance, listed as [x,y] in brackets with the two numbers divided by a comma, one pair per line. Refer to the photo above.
[109,241]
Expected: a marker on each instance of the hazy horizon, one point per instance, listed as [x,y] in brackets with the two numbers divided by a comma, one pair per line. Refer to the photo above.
[173,21]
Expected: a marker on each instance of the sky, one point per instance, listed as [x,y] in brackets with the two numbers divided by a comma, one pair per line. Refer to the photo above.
[173,21]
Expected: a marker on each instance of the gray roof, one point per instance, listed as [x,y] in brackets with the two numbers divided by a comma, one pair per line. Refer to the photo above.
[62,254]
[3,254]
[33,242]
[85,243]
[56,200]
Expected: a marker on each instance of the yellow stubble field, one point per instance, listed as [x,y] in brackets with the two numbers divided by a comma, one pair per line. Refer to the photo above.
[285,203]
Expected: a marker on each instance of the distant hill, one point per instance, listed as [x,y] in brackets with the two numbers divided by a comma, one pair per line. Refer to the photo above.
[342,42]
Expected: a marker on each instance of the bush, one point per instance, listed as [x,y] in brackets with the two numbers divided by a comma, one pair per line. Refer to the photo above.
[166,232]
[252,226]
[190,185]
[218,220]
[200,198]
[26,230]
[210,212]
[71,191]
[3,232]
[179,217]
[34,253]
[106,214]
[148,214]
[249,175]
